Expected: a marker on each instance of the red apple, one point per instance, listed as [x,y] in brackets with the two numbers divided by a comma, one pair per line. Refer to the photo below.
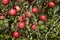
[21,18]
[17,8]
[5,2]
[33,27]
[12,12]
[27,14]
[1,17]
[21,25]
[51,4]
[35,10]
[16,34]
[43,17]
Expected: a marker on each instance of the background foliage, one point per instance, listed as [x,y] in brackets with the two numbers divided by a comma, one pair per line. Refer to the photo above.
[47,30]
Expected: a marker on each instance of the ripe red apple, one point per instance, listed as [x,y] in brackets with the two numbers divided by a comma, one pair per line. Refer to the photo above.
[27,14]
[17,8]
[21,25]
[15,34]
[35,10]
[5,2]
[21,18]
[12,12]
[33,27]
[51,4]
[1,17]
[43,17]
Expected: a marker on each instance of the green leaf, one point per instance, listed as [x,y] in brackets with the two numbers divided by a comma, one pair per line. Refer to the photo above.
[41,27]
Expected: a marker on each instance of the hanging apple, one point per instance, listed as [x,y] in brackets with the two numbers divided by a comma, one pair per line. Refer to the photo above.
[43,17]
[33,27]
[51,4]
[21,18]
[5,2]
[15,34]
[12,12]
[17,8]
[21,25]
[35,10]
[1,17]
[27,14]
